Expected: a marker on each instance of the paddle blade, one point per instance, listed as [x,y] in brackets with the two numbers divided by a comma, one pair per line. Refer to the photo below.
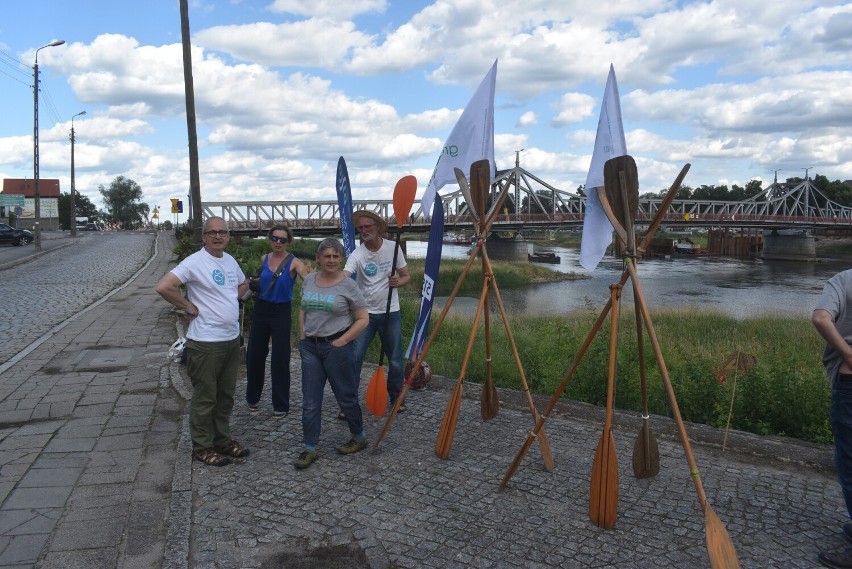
[615,192]
[448,424]
[646,454]
[489,404]
[720,548]
[403,198]
[603,494]
[377,393]
[480,186]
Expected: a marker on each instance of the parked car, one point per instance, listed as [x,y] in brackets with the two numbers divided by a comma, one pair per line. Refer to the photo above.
[16,237]
[92,227]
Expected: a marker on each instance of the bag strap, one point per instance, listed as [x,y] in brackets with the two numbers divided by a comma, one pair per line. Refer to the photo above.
[277,273]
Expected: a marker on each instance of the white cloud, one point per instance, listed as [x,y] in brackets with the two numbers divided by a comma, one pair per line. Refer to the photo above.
[529,118]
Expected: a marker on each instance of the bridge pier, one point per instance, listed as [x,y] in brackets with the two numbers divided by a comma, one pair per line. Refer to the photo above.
[788,247]
[502,249]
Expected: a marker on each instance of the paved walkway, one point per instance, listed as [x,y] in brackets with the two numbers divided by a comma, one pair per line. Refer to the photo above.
[95,472]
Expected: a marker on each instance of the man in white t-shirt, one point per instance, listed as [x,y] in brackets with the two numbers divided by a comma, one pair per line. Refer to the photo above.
[832,318]
[214,283]
[371,263]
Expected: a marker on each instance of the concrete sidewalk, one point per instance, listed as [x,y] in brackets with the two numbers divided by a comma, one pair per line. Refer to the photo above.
[95,471]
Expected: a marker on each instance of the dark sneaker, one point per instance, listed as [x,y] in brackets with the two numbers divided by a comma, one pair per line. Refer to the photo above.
[253,407]
[306,459]
[352,446]
[837,559]
[279,414]
[234,449]
[211,458]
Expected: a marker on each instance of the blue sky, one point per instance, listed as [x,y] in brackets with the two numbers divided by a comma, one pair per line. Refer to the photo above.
[738,88]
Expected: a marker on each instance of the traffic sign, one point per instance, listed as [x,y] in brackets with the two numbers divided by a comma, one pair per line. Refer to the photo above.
[175,205]
[13,200]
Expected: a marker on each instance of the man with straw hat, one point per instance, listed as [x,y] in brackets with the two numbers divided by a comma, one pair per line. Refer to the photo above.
[371,262]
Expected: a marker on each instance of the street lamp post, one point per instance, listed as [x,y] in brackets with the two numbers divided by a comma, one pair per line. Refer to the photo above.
[73,187]
[37,222]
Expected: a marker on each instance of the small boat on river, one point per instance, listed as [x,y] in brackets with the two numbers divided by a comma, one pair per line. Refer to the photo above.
[543,256]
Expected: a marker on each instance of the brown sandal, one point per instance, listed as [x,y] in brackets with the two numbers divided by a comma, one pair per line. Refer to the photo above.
[212,458]
[233,448]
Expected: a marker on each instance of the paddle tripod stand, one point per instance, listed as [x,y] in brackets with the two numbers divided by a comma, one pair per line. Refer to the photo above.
[618,174]
[476,196]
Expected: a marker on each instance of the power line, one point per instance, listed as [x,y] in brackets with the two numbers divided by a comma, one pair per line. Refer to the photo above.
[51,106]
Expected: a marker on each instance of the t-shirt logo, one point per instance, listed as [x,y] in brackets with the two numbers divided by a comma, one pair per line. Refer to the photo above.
[218,277]
[370,269]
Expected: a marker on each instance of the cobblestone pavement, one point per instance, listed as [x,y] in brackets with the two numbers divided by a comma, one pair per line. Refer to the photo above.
[401,506]
[95,470]
[52,287]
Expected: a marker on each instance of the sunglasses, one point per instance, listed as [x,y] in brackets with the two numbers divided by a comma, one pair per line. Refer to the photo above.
[276,239]
[215,233]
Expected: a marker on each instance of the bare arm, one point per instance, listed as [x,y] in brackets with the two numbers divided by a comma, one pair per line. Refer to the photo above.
[824,324]
[169,288]
[297,267]
[400,278]
[361,319]
[301,324]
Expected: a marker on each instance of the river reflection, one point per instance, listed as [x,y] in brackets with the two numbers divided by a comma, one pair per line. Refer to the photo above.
[736,287]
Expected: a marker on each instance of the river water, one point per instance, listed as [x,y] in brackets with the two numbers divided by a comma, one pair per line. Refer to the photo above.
[736,287]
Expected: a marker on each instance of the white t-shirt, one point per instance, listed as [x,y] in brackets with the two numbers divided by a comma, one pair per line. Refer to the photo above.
[212,284]
[372,271]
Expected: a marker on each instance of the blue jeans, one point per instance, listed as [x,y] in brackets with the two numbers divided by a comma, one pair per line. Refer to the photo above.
[321,362]
[391,337]
[269,320]
[841,427]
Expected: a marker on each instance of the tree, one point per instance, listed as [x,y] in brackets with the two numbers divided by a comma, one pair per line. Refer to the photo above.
[123,201]
[84,207]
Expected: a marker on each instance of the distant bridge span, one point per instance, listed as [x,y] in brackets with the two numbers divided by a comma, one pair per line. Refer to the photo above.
[803,206]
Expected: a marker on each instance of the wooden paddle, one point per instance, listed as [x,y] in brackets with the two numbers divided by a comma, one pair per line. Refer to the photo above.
[480,185]
[465,189]
[451,416]
[544,444]
[474,253]
[603,493]
[621,183]
[578,357]
[376,397]
[720,548]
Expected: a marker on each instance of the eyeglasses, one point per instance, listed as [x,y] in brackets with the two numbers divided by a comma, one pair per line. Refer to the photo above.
[217,233]
[276,239]
[365,227]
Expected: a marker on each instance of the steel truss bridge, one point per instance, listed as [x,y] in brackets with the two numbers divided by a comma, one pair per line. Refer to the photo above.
[778,206]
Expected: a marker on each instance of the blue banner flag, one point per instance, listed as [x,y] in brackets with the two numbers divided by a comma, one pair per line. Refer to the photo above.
[430,279]
[344,204]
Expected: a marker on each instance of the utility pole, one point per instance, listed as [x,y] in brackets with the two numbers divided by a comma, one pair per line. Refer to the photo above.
[73,186]
[194,177]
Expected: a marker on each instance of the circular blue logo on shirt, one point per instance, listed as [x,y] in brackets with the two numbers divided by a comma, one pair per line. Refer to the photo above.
[370,269]
[218,277]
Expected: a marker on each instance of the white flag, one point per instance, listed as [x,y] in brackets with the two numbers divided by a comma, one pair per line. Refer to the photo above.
[609,143]
[471,139]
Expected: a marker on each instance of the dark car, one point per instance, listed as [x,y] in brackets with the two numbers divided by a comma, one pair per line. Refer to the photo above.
[16,237]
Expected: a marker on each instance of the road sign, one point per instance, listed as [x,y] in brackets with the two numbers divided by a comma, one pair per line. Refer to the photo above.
[174,205]
[13,200]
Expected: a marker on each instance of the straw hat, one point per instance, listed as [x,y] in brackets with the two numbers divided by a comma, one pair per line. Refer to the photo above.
[382,224]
